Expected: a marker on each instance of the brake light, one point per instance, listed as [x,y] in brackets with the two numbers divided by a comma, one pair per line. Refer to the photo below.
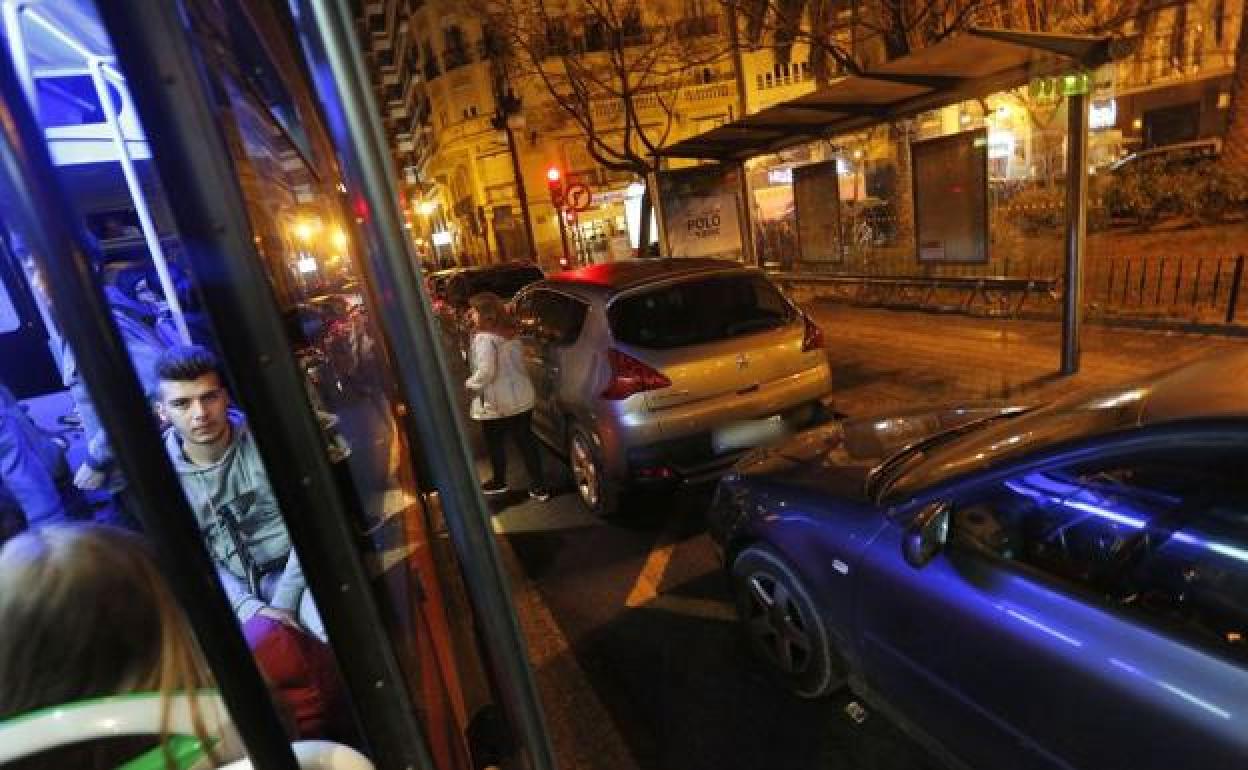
[812,335]
[629,376]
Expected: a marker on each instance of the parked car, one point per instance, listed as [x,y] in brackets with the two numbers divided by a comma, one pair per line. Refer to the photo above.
[451,289]
[664,370]
[1059,587]
[1194,151]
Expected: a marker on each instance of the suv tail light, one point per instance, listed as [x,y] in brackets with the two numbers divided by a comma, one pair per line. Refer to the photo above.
[629,376]
[812,335]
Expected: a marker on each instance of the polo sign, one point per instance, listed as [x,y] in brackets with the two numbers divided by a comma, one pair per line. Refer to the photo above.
[708,226]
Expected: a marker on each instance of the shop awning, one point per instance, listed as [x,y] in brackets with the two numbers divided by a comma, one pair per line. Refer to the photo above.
[969,66]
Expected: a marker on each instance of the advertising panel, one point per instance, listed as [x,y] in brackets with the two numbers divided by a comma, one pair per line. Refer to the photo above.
[702,212]
[817,199]
[951,197]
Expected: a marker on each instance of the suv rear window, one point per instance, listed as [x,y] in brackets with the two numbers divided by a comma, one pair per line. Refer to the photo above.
[504,283]
[699,310]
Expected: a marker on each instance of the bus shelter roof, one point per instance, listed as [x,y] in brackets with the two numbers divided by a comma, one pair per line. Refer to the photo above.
[969,66]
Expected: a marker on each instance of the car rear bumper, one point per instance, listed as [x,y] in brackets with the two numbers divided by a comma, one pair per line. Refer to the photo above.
[693,459]
[683,433]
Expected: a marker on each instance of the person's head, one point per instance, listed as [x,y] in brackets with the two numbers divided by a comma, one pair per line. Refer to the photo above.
[85,613]
[488,313]
[192,394]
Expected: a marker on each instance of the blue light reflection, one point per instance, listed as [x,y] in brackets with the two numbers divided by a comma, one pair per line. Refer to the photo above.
[1172,689]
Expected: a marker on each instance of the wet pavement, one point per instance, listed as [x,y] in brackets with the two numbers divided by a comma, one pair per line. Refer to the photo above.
[630,623]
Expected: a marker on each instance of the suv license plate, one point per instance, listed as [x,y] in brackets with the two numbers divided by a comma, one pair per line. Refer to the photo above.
[748,433]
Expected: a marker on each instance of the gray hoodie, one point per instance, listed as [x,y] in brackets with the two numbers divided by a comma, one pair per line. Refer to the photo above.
[240,521]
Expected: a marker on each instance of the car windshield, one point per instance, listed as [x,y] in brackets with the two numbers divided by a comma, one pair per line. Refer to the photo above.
[698,311]
[908,457]
[994,441]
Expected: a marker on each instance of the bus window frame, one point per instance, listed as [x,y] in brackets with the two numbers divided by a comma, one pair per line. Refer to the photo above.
[40,209]
[172,95]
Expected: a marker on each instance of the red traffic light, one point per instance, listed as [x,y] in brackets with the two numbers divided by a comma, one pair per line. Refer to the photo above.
[554,181]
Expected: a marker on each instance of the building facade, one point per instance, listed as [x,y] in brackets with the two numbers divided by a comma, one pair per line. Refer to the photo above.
[468,135]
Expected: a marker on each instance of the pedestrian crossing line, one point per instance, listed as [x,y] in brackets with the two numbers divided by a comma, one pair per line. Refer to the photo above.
[704,609]
[646,588]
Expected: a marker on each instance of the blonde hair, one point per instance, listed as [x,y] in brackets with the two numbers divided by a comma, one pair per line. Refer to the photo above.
[492,312]
[84,613]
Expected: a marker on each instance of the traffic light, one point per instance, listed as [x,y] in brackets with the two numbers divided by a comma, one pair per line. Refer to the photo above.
[554,181]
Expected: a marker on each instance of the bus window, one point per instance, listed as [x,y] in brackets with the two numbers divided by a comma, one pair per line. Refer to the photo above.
[286,171]
[72,479]
[313,273]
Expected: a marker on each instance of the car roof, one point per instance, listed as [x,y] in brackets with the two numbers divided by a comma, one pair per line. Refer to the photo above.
[474,269]
[1192,150]
[625,274]
[1211,388]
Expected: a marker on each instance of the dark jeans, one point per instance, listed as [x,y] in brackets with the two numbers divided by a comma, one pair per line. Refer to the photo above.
[517,425]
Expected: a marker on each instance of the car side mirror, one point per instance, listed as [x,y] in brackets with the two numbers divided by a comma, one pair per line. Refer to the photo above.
[926,535]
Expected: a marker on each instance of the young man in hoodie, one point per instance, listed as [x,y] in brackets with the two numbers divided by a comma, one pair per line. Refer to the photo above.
[227,486]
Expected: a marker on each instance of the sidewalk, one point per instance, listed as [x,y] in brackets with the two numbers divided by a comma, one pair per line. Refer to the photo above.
[884,360]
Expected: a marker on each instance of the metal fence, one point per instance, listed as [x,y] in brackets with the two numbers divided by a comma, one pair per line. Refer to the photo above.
[1181,288]
[1195,290]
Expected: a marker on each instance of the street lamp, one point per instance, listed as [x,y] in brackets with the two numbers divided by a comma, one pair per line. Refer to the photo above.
[508,110]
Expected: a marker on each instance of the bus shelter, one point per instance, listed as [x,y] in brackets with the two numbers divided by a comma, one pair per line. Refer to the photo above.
[706,206]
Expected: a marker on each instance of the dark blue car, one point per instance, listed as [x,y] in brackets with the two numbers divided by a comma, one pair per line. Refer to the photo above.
[1059,587]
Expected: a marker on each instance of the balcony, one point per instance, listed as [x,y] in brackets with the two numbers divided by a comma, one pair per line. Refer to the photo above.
[709,92]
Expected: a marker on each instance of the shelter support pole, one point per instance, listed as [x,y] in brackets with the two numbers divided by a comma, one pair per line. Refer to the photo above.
[658,210]
[1076,227]
[749,252]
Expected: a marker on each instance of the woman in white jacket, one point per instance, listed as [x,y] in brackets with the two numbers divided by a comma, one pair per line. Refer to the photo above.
[502,394]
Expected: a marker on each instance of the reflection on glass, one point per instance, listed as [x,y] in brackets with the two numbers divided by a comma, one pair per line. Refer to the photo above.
[304,235]
[103,164]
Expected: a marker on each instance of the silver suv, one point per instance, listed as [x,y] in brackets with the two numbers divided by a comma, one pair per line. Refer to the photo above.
[653,372]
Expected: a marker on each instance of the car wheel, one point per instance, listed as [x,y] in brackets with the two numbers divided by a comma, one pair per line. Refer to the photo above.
[598,493]
[784,627]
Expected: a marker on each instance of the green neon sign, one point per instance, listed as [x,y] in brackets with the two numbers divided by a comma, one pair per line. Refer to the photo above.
[1054,87]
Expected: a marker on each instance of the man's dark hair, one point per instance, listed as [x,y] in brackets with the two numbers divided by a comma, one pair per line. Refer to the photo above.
[184,363]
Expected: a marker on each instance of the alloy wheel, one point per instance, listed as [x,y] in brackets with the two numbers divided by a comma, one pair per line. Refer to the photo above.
[584,471]
[775,621]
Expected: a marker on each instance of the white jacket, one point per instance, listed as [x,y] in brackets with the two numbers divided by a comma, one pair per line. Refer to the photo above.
[499,383]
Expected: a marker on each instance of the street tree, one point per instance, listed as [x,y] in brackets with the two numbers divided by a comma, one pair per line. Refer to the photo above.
[615,70]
